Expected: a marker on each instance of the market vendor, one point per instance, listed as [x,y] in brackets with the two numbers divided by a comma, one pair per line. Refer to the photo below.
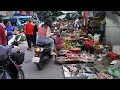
[89,44]
[63,28]
[91,28]
[59,42]
[10,30]
[83,30]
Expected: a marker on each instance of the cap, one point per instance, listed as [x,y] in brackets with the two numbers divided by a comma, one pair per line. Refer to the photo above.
[90,35]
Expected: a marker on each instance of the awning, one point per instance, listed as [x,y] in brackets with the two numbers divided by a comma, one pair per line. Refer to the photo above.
[68,12]
[61,17]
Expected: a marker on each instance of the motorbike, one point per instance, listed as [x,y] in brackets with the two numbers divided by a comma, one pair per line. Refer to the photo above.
[11,67]
[42,55]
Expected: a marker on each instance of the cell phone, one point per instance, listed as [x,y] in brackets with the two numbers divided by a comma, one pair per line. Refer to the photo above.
[52,33]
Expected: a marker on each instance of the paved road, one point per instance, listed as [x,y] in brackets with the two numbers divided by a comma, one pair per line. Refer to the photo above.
[51,71]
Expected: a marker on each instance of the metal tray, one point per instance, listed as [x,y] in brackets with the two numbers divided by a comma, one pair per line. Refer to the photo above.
[90,65]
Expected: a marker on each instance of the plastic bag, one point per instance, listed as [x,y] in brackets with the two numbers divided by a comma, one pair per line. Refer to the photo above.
[4,75]
[115,70]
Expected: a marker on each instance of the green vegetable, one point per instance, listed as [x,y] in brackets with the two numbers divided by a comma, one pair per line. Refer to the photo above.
[117,74]
[66,35]
[92,78]
[116,67]
[115,71]
[104,71]
[77,44]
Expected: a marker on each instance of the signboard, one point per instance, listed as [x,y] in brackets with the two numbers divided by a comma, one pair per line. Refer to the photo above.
[24,13]
[31,12]
[17,12]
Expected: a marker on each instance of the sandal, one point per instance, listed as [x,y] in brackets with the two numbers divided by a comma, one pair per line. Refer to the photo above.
[53,53]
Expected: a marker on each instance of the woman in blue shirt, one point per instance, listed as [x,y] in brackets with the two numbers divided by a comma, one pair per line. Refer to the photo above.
[10,30]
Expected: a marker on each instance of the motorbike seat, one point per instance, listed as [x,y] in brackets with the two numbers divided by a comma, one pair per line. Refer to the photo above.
[42,45]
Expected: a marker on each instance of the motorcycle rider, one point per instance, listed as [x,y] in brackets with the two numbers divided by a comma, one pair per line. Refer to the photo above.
[4,50]
[44,35]
[4,54]
[45,17]
[7,51]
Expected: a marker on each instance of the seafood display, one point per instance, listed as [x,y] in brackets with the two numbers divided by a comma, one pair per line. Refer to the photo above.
[79,71]
[104,76]
[66,55]
[80,57]
[80,53]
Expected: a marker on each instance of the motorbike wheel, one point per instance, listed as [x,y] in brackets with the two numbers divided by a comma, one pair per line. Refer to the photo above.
[40,65]
[21,74]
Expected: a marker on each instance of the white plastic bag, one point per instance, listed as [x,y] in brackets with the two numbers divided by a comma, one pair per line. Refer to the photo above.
[116,49]
[11,40]
[96,37]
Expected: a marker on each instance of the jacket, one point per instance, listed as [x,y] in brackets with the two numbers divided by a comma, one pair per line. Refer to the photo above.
[5,52]
[3,40]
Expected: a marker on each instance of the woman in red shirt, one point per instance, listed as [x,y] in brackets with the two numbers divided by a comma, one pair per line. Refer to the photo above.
[44,35]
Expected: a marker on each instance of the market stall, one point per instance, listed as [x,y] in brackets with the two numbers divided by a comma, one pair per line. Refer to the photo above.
[86,57]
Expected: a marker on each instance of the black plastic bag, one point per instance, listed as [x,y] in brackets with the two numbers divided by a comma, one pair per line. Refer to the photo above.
[18,57]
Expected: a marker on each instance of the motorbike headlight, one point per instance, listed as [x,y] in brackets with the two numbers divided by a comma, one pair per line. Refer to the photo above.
[37,49]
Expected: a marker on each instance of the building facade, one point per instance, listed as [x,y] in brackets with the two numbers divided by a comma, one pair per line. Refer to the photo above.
[23,13]
[10,13]
[2,13]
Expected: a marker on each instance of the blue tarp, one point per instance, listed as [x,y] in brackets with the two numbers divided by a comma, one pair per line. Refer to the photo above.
[13,19]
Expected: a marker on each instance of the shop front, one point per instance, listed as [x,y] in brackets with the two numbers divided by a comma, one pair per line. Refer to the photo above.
[26,13]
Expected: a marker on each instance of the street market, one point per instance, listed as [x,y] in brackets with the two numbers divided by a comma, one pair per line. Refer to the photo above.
[80,49]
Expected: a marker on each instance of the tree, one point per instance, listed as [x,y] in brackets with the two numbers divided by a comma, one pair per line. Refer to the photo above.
[53,14]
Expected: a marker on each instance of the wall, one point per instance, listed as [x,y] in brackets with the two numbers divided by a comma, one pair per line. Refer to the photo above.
[6,13]
[3,13]
[112,29]
[9,13]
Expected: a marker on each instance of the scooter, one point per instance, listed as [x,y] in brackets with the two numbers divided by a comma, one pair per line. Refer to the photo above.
[14,40]
[42,55]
